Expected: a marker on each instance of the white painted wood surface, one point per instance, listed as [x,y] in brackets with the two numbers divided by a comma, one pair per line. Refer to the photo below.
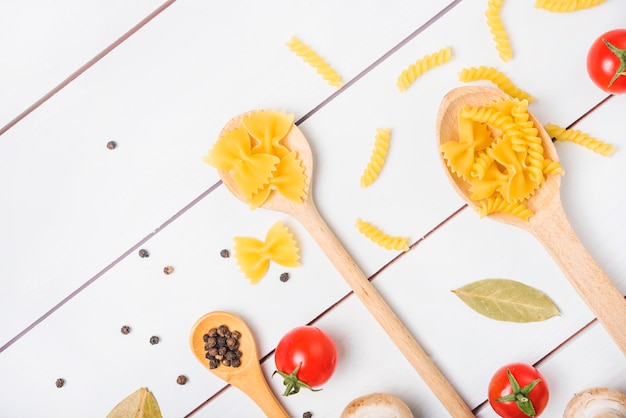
[75,213]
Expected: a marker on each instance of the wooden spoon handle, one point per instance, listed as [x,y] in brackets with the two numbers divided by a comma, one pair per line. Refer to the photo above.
[256,387]
[596,289]
[373,301]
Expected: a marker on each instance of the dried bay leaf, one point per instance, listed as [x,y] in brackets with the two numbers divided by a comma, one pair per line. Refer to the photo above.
[507,300]
[139,404]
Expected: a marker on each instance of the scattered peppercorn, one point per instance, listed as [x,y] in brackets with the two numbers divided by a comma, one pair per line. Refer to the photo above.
[222,347]
[154,340]
[143,253]
[111,145]
[284,277]
[307,414]
[125,329]
[225,253]
[181,380]
[168,269]
[60,383]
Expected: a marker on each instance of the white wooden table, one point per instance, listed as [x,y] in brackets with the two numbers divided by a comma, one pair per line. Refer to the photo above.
[161,80]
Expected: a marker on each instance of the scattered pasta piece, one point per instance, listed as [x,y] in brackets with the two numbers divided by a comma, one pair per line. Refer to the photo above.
[565,6]
[497,30]
[377,159]
[580,138]
[259,163]
[379,237]
[498,78]
[500,155]
[253,256]
[413,71]
[314,60]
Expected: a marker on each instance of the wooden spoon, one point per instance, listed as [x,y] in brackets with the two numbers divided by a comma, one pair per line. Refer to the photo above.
[306,213]
[248,377]
[549,224]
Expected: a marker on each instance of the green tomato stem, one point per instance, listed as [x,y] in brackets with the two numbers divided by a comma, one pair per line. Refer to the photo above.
[621,55]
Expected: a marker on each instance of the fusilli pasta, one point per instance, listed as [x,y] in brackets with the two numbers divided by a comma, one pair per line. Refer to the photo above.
[496,77]
[564,6]
[496,27]
[413,71]
[314,60]
[379,237]
[377,159]
[580,138]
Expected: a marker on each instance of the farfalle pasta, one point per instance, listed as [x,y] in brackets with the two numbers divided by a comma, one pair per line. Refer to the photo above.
[381,238]
[311,57]
[377,158]
[259,163]
[500,155]
[496,27]
[580,138]
[498,78]
[254,256]
[413,71]
[565,6]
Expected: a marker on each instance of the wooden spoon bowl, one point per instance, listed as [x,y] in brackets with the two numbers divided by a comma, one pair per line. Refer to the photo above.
[307,214]
[248,377]
[549,223]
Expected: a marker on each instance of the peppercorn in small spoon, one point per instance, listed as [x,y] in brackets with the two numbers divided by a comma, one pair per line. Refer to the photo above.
[248,376]
[549,223]
[307,214]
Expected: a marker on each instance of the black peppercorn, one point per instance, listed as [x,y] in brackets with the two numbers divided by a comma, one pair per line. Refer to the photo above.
[168,269]
[212,332]
[125,329]
[143,253]
[307,414]
[154,340]
[213,363]
[205,338]
[284,277]
[181,380]
[225,253]
[236,362]
[60,383]
[111,145]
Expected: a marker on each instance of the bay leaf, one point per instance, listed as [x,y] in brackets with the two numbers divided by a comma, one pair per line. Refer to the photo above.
[507,300]
[139,404]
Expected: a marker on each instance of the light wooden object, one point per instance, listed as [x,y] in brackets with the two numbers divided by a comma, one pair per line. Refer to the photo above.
[307,214]
[248,377]
[549,224]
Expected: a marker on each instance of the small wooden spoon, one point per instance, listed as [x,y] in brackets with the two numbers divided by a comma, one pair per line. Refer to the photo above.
[549,224]
[248,377]
[306,213]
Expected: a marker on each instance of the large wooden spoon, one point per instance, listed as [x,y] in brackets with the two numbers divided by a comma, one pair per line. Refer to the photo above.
[248,377]
[307,214]
[549,224]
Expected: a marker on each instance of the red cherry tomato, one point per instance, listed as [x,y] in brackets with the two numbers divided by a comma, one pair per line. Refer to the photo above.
[518,390]
[305,357]
[606,61]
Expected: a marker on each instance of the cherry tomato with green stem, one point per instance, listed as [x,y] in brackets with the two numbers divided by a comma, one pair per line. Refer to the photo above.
[606,61]
[518,390]
[305,357]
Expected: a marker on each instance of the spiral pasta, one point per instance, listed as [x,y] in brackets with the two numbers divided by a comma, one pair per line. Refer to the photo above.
[379,237]
[377,159]
[498,204]
[498,32]
[580,138]
[565,6]
[507,164]
[498,78]
[413,71]
[314,60]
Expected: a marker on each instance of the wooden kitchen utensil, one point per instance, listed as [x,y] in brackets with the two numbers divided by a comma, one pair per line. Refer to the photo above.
[248,377]
[307,214]
[549,223]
